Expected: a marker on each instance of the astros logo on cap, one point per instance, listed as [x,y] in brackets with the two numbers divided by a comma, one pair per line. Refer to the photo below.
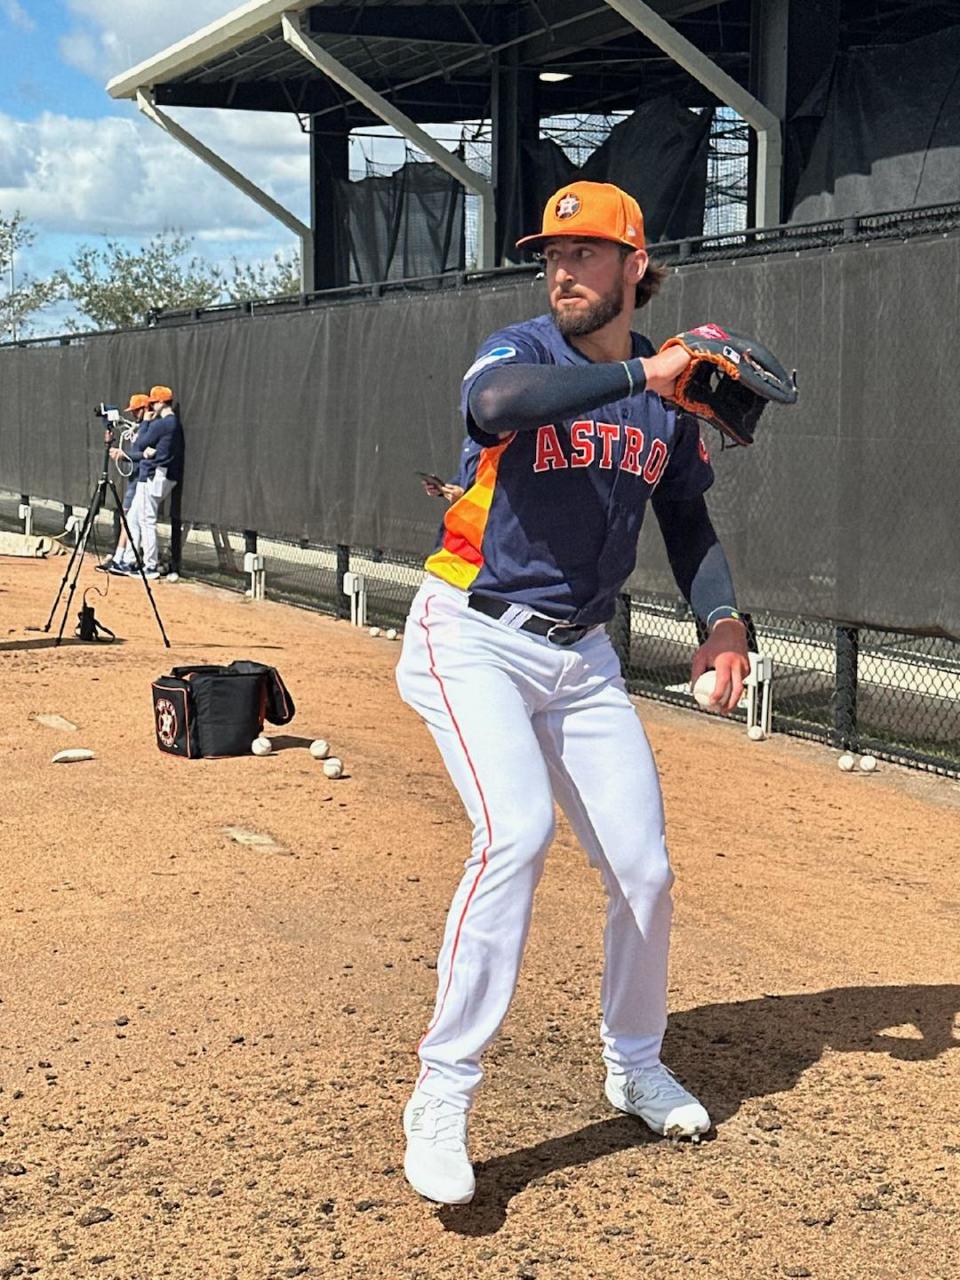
[567,206]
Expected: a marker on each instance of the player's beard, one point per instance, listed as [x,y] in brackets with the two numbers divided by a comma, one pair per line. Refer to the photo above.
[580,323]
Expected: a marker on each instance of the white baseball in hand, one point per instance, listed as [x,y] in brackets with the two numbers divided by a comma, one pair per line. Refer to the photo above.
[333,767]
[261,746]
[320,749]
[703,690]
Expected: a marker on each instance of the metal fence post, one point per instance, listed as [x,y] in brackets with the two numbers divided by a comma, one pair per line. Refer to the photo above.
[25,513]
[176,530]
[845,705]
[620,631]
[343,568]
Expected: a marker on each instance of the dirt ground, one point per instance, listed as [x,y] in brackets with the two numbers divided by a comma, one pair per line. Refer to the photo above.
[205,1047]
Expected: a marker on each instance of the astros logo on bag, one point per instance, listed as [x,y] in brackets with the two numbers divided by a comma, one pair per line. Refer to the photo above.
[166,722]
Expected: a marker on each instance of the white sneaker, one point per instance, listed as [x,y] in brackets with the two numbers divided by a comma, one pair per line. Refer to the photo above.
[659,1099]
[436,1163]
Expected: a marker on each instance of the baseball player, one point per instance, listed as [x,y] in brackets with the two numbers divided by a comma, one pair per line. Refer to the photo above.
[139,408]
[506,658]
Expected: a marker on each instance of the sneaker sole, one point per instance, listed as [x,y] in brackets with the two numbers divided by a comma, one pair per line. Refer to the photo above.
[616,1099]
[421,1190]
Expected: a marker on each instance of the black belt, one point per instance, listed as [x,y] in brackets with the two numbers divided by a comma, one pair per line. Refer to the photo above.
[561,633]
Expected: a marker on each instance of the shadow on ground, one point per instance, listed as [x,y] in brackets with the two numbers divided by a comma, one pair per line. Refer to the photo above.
[51,642]
[727,1054]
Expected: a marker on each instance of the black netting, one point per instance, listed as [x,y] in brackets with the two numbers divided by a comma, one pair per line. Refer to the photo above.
[409,223]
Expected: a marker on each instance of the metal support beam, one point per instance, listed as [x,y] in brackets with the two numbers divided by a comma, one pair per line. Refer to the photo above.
[335,70]
[769,151]
[791,48]
[329,164]
[276,210]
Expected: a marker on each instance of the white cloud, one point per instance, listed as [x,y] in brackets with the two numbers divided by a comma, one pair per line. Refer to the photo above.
[16,15]
[126,177]
[110,37]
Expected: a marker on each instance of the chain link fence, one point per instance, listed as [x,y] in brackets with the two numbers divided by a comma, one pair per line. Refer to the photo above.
[894,695]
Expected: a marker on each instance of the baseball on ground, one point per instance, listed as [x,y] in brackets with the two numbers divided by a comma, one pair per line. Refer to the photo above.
[261,746]
[333,767]
[704,688]
[320,748]
[846,763]
[374,631]
[755,733]
[868,763]
[391,634]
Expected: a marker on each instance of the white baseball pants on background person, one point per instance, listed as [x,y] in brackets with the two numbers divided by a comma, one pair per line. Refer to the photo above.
[520,721]
[142,518]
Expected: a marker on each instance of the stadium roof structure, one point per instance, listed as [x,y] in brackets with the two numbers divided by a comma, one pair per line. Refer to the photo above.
[346,64]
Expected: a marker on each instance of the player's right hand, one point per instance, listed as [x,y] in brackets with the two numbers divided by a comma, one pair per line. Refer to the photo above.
[663,370]
[725,651]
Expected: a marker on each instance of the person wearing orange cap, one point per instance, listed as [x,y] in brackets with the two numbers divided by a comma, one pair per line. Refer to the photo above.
[158,453]
[507,659]
[138,410]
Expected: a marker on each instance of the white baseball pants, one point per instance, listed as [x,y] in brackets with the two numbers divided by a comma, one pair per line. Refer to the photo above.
[142,518]
[520,721]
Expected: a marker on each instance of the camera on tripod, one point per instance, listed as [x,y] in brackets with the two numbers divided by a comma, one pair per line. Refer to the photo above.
[113,422]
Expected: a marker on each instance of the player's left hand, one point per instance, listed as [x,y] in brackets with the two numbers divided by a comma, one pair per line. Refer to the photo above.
[725,651]
[149,452]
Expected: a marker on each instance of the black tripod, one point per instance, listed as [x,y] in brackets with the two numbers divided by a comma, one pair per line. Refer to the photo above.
[96,502]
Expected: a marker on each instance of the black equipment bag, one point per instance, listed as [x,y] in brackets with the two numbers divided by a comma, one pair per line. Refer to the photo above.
[218,710]
[89,628]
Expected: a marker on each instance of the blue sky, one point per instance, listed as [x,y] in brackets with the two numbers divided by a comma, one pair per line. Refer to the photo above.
[80,166]
[35,77]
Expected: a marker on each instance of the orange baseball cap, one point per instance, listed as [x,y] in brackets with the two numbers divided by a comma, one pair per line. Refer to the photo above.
[591,211]
[138,401]
[161,393]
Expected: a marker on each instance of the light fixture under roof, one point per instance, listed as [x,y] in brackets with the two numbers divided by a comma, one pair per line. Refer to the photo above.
[554,77]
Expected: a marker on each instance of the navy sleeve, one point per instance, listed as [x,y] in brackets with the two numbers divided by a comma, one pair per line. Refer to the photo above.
[512,345]
[696,557]
[526,396]
[166,440]
[147,438]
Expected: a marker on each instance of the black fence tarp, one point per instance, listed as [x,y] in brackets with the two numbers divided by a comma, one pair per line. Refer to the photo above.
[889,131]
[311,423]
[658,153]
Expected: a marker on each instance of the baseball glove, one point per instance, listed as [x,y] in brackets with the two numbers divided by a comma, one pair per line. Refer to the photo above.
[729,380]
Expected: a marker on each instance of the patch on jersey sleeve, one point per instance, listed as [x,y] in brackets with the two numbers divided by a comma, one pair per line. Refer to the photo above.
[498,353]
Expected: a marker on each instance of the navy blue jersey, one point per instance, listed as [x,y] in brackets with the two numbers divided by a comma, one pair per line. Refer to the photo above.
[467,468]
[554,515]
[164,434]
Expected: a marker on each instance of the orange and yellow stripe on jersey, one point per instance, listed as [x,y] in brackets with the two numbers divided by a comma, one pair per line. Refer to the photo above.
[459,558]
